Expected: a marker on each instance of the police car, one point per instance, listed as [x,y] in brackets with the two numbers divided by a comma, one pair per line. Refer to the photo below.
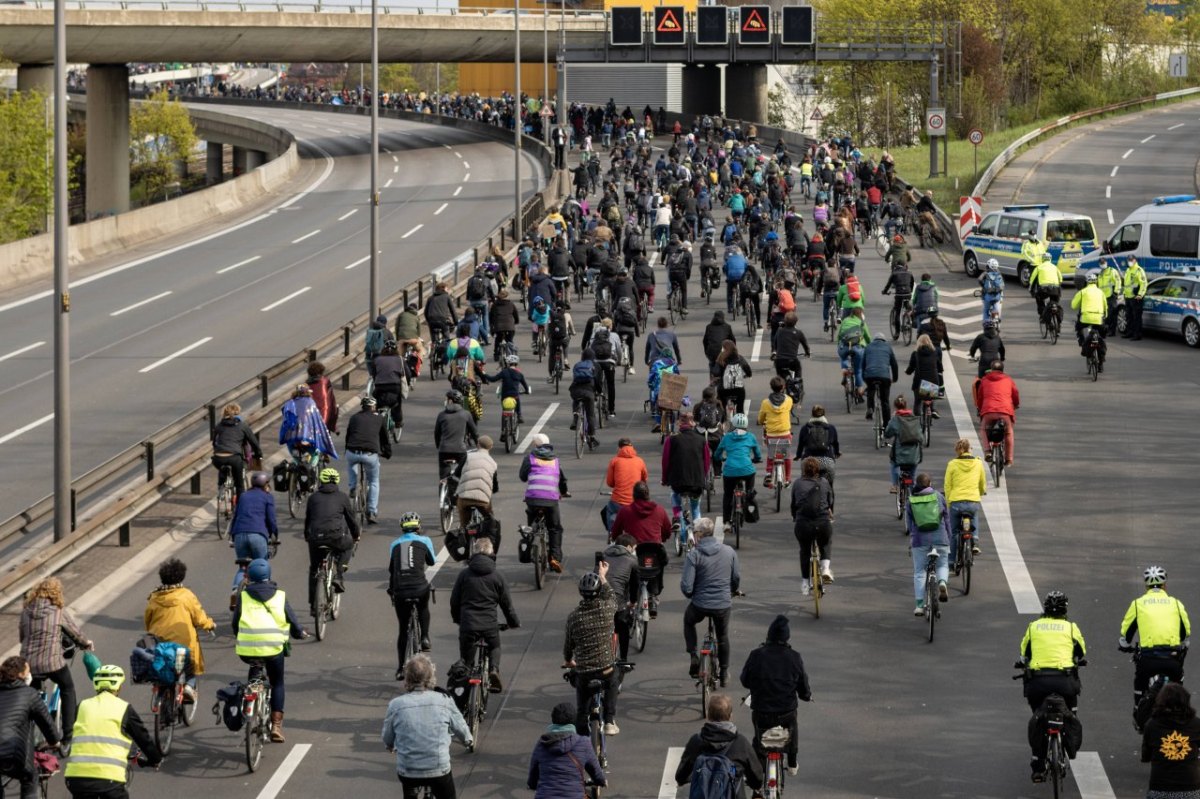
[1172,305]
[1000,235]
[1164,236]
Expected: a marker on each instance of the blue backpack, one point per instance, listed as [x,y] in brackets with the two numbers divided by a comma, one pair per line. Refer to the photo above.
[583,372]
[993,283]
[715,776]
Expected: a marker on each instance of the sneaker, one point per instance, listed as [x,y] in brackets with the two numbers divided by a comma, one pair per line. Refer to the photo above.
[400,674]
[793,770]
[870,416]
[826,576]
[426,646]
[550,380]
[611,728]
[612,415]
[919,610]
[936,415]
[555,566]
[372,519]
[572,427]
[987,456]
[656,429]
[767,482]
[894,490]
[943,594]
[189,695]
[723,676]
[494,684]
[805,588]
[694,667]
[1008,464]
[975,550]
[632,371]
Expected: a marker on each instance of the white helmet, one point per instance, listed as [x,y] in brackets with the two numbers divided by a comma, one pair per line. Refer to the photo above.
[992,265]
[1155,575]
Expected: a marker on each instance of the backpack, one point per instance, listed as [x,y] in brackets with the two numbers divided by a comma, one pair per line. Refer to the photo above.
[926,511]
[557,326]
[625,317]
[993,283]
[810,504]
[853,289]
[831,278]
[524,255]
[376,338]
[750,283]
[733,376]
[583,372]
[818,439]
[613,214]
[910,430]
[476,289]
[715,777]
[675,262]
[602,344]
[708,416]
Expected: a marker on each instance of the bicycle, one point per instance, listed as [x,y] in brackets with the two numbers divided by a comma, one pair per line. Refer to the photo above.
[510,426]
[447,488]
[301,479]
[583,431]
[438,362]
[596,687]
[877,425]
[933,610]
[778,457]
[998,455]
[737,514]
[706,678]
[1050,323]
[882,244]
[814,577]
[901,322]
[774,743]
[964,558]
[539,547]
[477,692]
[45,769]
[994,314]
[1091,340]
[475,528]
[169,710]
[412,645]
[626,361]
[642,310]
[904,490]
[675,304]
[358,496]
[328,601]
[848,389]
[682,525]
[256,710]
[539,342]
[748,309]
[835,319]
[710,481]
[389,423]
[926,419]
[226,503]
[646,607]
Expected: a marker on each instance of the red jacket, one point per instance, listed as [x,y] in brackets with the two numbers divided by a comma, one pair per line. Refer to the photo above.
[996,392]
[645,520]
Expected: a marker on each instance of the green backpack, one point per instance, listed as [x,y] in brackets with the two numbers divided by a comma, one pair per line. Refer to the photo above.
[926,511]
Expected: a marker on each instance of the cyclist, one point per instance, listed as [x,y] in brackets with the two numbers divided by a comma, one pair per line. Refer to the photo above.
[585,382]
[812,515]
[733,268]
[21,707]
[418,727]
[624,324]
[925,519]
[662,340]
[561,758]
[1174,723]
[559,330]
[504,318]
[819,439]
[644,279]
[775,677]
[453,431]
[732,370]
[851,335]
[924,299]
[880,371]
[663,363]
[1093,310]
[478,591]
[685,462]
[997,399]
[829,280]
[780,302]
[464,354]
[1051,649]
[907,450]
[678,261]
[45,626]
[925,365]
[737,453]
[389,387]
[1045,282]
[512,383]
[329,525]
[622,577]
[173,613]
[775,417]
[477,479]
[366,440]
[106,729]
[410,555]
[408,334]
[788,341]
[479,294]
[750,287]
[991,284]
[624,470]
[1162,627]
[850,293]
[323,394]
[303,430]
[376,337]
[898,257]
[988,345]
[587,648]
[902,281]
[230,440]
[710,579]
[1135,294]
[606,351]
[547,484]
[719,737]
[964,485]
[646,522]
[440,315]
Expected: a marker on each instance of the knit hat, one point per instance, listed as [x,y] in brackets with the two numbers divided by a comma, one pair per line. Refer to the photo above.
[563,713]
[779,632]
[381,319]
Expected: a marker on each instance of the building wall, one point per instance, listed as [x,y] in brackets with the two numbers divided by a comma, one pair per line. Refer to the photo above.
[633,85]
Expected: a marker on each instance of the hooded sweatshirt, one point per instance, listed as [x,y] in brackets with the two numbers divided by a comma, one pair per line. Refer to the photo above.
[965,479]
[775,414]
[774,673]
[555,762]
[722,737]
[643,519]
[625,469]
[739,449]
[173,613]
[478,591]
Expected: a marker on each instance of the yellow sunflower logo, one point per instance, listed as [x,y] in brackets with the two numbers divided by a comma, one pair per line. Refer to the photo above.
[1175,746]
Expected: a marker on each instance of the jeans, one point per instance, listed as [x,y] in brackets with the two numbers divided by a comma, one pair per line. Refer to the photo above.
[956,513]
[693,616]
[370,462]
[897,468]
[852,358]
[481,311]
[919,555]
[677,506]
[404,609]
[247,545]
[991,301]
[608,513]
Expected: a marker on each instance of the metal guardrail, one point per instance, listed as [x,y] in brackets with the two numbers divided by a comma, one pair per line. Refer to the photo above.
[311,7]
[107,498]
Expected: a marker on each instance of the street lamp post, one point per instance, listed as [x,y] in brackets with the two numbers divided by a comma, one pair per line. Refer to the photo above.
[516,122]
[560,64]
[373,291]
[545,69]
[62,293]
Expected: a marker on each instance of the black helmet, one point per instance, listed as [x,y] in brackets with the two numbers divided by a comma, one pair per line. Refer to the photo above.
[1055,604]
[589,585]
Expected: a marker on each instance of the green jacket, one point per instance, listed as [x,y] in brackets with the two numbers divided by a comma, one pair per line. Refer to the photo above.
[853,327]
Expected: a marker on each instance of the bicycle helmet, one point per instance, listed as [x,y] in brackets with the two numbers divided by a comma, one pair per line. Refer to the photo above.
[739,421]
[898,239]
[455,396]
[1091,278]
[259,571]
[367,402]
[512,360]
[1154,576]
[301,391]
[411,520]
[992,265]
[589,585]
[108,678]
[260,479]
[329,476]
[1055,604]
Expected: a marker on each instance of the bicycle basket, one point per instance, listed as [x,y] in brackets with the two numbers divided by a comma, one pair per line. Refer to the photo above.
[775,738]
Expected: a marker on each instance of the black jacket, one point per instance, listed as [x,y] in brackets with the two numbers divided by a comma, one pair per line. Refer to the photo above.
[329,515]
[477,592]
[717,332]
[20,708]
[723,737]
[439,311]
[504,316]
[622,574]
[367,432]
[452,431]
[390,370]
[789,341]
[774,676]
[683,457]
[559,261]
[231,435]
[990,348]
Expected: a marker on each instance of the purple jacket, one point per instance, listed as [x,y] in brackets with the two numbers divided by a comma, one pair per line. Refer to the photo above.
[542,471]
[554,767]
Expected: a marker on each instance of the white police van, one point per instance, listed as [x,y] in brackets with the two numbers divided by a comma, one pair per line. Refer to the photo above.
[1163,235]
[1002,233]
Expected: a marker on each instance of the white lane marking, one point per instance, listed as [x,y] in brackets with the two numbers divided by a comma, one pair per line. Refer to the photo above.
[362,260]
[995,507]
[447,146]
[456,191]
[139,304]
[960,306]
[396,169]
[284,772]
[438,563]
[1148,138]
[22,430]
[386,150]
[466,165]
[1090,777]
[1108,192]
[414,230]
[1180,125]
[22,351]
[957,292]
[441,208]
[313,187]
[457,154]
[239,263]
[1110,216]
[466,177]
[1127,153]
[537,428]
[388,185]
[756,352]
[348,214]
[1113,174]
[291,296]
[333,130]
[396,158]
[175,355]
[306,236]
[667,788]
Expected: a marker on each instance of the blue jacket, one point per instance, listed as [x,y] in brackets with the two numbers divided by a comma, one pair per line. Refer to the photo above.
[740,451]
[879,361]
[556,760]
[512,382]
[255,513]
[419,725]
[303,423]
[939,537]
[710,574]
[735,267]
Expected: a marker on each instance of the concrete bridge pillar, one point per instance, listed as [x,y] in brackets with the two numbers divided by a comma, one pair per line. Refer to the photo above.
[746,92]
[240,161]
[214,167]
[701,91]
[255,159]
[107,140]
[36,77]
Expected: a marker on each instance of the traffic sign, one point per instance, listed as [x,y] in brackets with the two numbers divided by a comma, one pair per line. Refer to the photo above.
[970,214]
[668,25]
[935,122]
[754,25]
[816,115]
[975,136]
[712,25]
[797,25]
[1177,65]
[625,26]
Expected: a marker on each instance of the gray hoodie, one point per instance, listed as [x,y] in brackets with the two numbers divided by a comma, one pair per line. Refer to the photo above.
[710,575]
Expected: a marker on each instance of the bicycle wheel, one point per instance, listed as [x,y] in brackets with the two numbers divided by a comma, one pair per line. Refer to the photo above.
[596,736]
[877,423]
[187,712]
[1093,368]
[706,688]
[320,613]
[901,496]
[778,488]
[580,434]
[931,603]
[255,734]
[906,330]
[737,530]
[224,508]
[294,496]
[748,309]
[475,711]
[413,643]
[539,563]
[927,426]
[335,604]
[894,323]
[641,628]
[1055,764]
[164,719]
[445,509]
[998,456]
[814,577]
[968,562]
[849,393]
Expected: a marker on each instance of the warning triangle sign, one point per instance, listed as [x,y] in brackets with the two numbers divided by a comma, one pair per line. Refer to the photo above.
[669,23]
[754,23]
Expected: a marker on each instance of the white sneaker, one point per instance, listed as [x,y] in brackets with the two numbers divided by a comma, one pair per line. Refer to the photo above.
[826,573]
[793,770]
[611,728]
[805,588]
[919,610]
[632,371]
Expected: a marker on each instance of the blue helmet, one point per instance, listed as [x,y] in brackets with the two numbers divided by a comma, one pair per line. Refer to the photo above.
[259,571]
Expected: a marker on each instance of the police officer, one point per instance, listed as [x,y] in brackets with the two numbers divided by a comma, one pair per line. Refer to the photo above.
[1032,250]
[1135,293]
[1093,312]
[1045,281]
[1051,649]
[1110,283]
[105,729]
[1161,625]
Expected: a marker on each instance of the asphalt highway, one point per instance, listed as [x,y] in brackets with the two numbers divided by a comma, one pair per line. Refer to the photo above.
[163,328]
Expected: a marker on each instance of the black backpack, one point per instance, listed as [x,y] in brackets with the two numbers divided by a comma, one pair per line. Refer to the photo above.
[810,503]
[476,289]
[602,344]
[625,317]
[818,439]
[558,326]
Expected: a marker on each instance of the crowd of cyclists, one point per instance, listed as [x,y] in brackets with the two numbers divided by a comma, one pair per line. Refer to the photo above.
[712,204]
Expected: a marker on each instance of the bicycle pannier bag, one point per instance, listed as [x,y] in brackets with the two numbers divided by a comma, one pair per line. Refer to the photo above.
[279,476]
[525,546]
[229,705]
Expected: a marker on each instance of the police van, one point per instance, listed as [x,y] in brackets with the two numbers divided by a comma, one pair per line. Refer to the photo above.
[1067,236]
[1163,235]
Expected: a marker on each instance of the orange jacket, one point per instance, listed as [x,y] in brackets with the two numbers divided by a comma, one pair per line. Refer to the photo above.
[625,469]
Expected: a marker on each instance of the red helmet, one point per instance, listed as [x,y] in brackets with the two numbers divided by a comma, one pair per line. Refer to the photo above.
[898,238]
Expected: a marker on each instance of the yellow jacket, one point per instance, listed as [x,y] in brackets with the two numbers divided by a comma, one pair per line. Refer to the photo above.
[965,481]
[1157,619]
[1135,281]
[1032,252]
[1109,281]
[1045,274]
[173,613]
[1052,643]
[1091,304]
[776,419]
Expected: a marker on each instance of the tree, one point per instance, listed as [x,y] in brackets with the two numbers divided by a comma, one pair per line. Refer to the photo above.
[26,186]
[161,134]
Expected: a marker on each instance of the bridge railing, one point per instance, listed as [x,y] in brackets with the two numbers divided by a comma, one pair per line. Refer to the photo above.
[276,6]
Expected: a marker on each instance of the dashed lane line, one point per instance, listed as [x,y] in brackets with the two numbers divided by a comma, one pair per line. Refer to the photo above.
[20,431]
[306,236]
[22,350]
[169,358]
[348,214]
[1110,216]
[456,191]
[282,300]
[414,230]
[1113,174]
[239,263]
[667,787]
[1180,125]
[1127,153]
[756,352]
[537,427]
[441,208]
[282,774]
[1090,778]
[1148,138]
[139,304]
